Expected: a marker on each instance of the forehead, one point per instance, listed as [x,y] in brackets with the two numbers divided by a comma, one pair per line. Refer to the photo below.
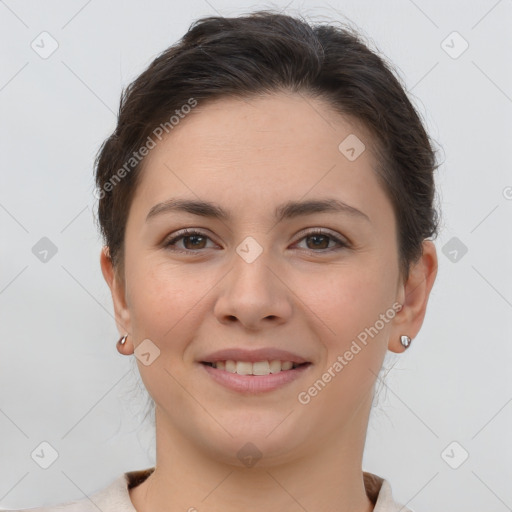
[276,122]
[269,148]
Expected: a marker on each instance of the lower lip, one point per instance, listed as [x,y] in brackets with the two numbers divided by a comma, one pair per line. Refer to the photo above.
[254,383]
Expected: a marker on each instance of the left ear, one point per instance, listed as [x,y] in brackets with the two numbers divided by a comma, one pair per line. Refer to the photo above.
[414,295]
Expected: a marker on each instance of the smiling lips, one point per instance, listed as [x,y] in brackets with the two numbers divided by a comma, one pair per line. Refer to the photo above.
[256,368]
[254,371]
[263,361]
[253,356]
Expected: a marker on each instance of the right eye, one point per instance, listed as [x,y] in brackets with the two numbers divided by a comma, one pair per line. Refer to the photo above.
[192,241]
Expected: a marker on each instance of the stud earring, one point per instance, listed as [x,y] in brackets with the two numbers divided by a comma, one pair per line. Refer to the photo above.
[405,340]
[122,340]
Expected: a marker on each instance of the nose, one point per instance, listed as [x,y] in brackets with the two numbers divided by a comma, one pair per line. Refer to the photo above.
[253,295]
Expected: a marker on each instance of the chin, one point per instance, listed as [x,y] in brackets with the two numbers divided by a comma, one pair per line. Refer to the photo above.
[265,443]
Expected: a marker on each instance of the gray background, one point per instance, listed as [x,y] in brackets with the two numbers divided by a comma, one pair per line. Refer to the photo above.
[62,380]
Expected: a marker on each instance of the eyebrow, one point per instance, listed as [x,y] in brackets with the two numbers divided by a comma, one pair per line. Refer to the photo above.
[288,210]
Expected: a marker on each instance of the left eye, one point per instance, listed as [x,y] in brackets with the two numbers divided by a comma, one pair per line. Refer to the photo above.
[321,240]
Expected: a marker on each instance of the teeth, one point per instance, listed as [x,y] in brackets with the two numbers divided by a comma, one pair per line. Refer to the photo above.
[261,368]
[230,366]
[257,368]
[275,366]
[243,368]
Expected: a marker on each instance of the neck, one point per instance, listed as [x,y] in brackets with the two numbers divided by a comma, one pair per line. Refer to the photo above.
[325,476]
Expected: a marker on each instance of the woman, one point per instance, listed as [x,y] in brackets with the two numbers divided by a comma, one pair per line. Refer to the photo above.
[266,202]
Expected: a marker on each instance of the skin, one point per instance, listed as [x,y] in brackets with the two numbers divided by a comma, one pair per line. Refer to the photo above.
[249,156]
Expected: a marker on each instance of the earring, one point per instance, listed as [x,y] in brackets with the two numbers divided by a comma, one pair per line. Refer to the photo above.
[405,340]
[122,340]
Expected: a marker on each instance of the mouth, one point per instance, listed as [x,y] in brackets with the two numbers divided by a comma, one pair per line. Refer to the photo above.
[257,368]
[252,378]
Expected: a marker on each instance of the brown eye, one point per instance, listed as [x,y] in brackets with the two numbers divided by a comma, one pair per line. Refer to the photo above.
[196,242]
[191,241]
[319,241]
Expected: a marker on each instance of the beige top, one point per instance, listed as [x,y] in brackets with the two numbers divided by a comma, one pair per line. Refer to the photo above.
[116,498]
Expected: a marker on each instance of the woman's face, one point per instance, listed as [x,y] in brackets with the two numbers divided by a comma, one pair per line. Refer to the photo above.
[261,277]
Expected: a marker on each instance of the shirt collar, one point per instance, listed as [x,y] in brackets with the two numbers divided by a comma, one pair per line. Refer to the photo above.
[116,496]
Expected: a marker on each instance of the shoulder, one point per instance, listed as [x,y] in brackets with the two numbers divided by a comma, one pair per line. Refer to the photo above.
[379,491]
[113,498]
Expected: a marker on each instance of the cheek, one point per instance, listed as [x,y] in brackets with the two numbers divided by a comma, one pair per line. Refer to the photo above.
[355,302]
[164,308]
[348,299]
[166,300]
[350,303]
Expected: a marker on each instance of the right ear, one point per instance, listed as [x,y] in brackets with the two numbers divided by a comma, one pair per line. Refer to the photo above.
[117,290]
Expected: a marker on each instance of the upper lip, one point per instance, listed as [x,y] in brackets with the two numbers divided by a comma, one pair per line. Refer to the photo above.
[252,356]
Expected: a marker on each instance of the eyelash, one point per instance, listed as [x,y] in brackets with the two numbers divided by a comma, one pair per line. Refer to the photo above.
[190,232]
